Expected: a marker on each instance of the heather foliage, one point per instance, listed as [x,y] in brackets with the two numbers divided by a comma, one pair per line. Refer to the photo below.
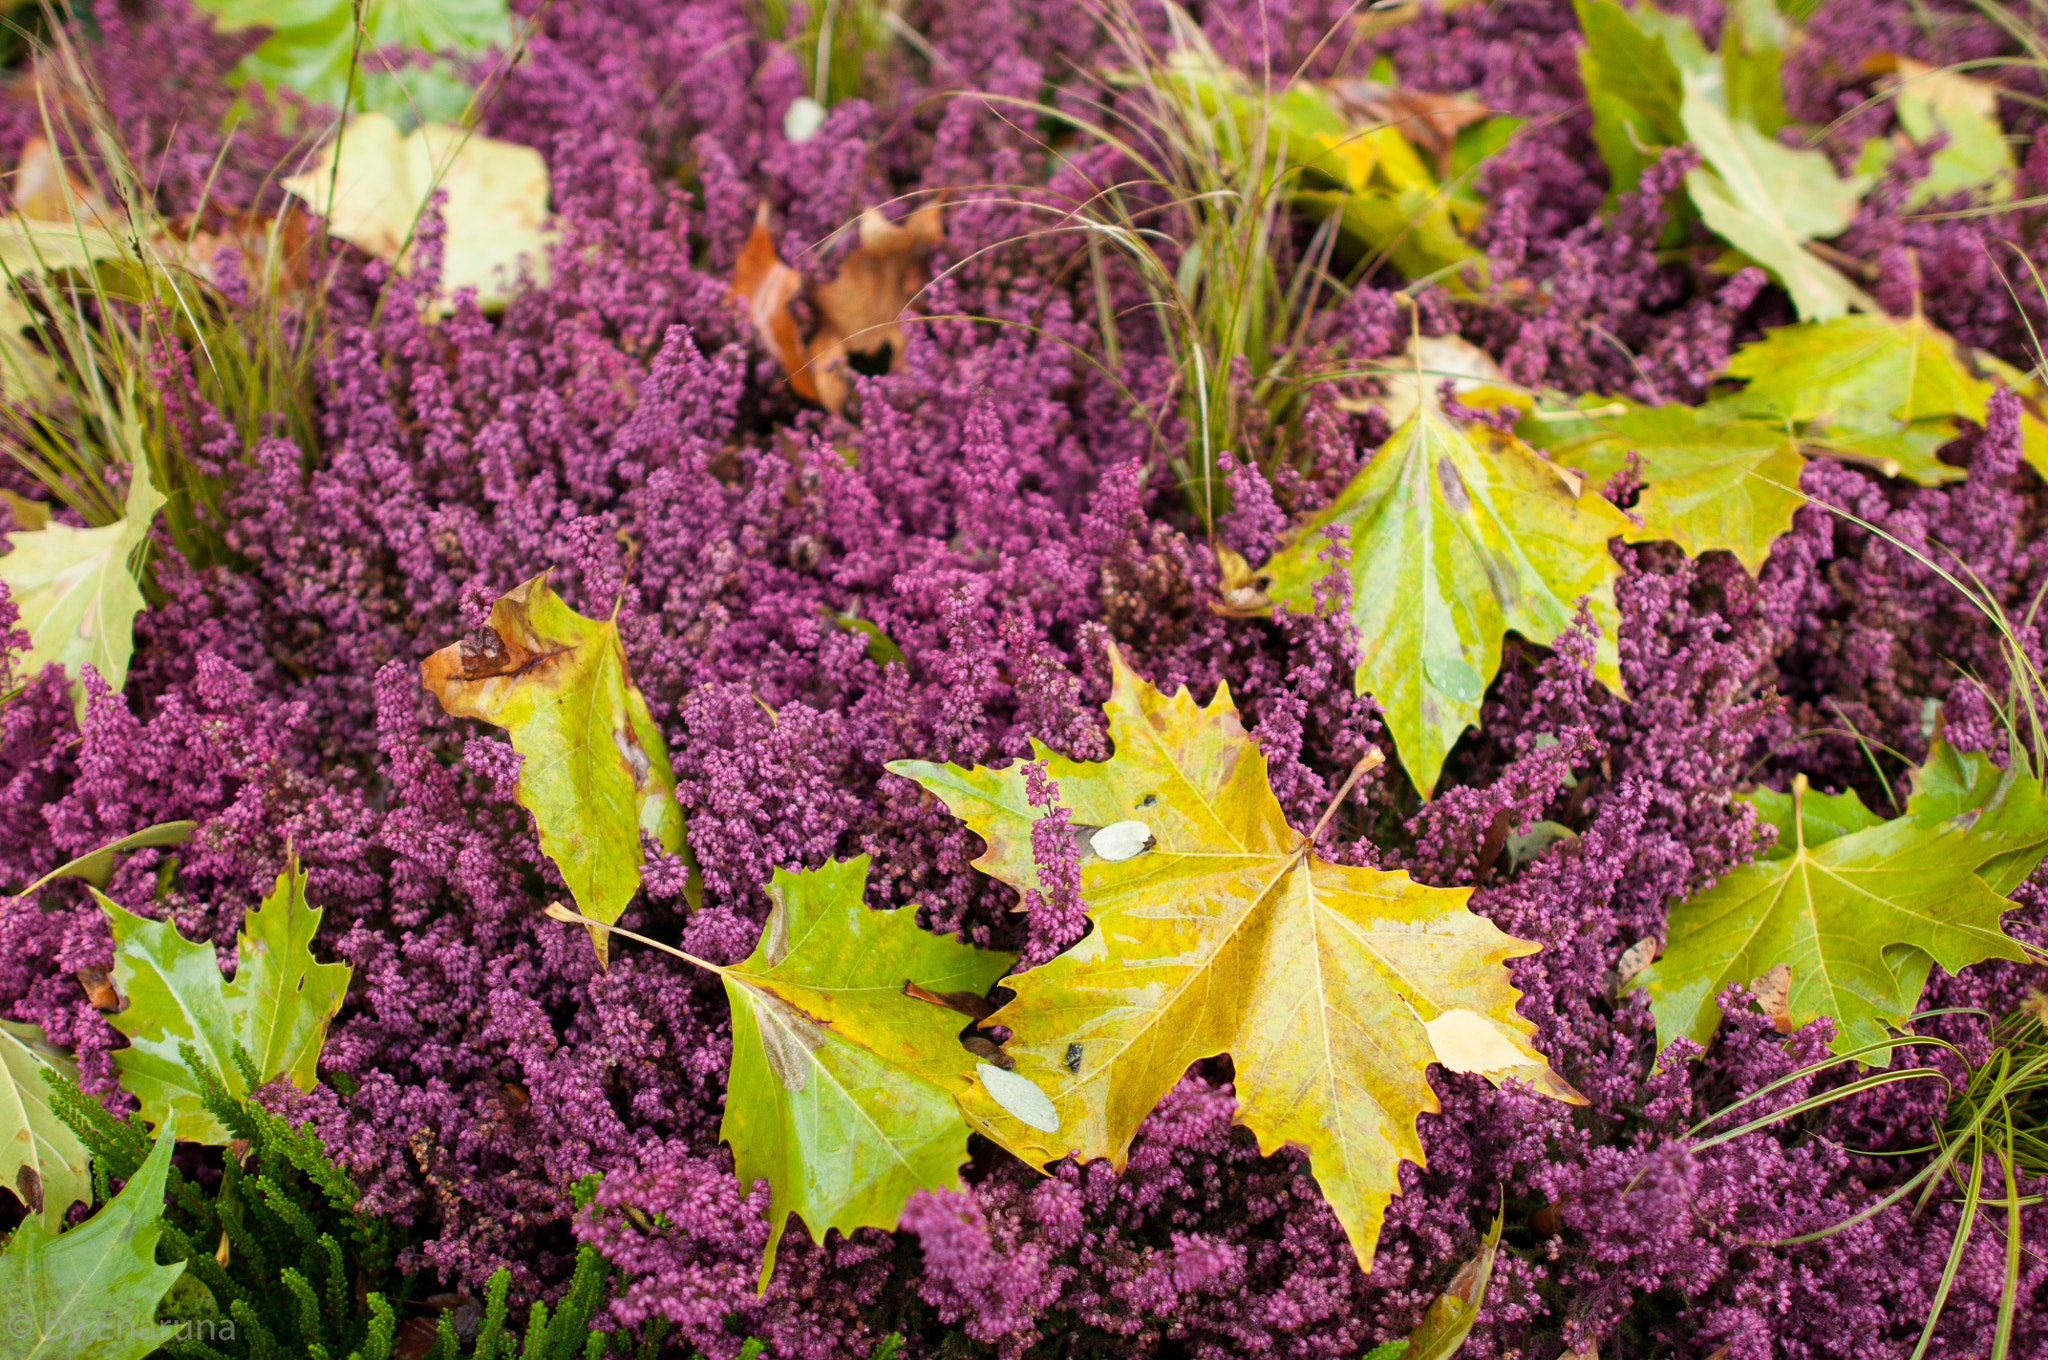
[1142,407]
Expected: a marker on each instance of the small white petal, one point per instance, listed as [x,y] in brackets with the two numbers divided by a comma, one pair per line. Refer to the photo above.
[803,118]
[1121,840]
[1020,1096]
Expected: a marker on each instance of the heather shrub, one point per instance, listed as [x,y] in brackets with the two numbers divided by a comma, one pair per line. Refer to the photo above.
[937,572]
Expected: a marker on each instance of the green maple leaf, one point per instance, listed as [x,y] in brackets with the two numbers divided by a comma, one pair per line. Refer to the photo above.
[1859,919]
[595,771]
[1874,387]
[1710,480]
[77,589]
[312,44]
[90,1293]
[1634,88]
[276,1009]
[1822,817]
[843,1091]
[1768,200]
[1218,930]
[41,1159]
[2004,811]
[1458,533]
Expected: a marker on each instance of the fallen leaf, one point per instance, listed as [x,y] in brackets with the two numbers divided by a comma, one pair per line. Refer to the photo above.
[1431,121]
[1711,480]
[43,187]
[312,47]
[2003,811]
[1773,993]
[1444,1327]
[276,1008]
[99,988]
[1935,102]
[1458,533]
[1873,387]
[974,1005]
[1371,177]
[59,1292]
[1822,817]
[40,1155]
[842,1093]
[1633,87]
[373,184]
[1243,589]
[767,286]
[1769,200]
[1858,919]
[858,311]
[594,770]
[1332,988]
[1425,364]
[77,589]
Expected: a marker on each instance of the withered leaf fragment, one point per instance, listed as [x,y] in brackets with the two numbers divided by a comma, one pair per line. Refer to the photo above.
[1431,121]
[857,314]
[594,770]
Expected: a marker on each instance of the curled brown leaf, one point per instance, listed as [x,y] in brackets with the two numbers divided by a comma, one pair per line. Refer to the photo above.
[857,314]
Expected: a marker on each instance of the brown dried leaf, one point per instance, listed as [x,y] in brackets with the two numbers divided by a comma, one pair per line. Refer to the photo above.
[99,989]
[857,313]
[1431,121]
[767,286]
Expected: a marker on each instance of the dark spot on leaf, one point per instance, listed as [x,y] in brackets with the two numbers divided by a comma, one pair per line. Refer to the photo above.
[484,653]
[1149,800]
[1072,1059]
[988,1052]
[1453,485]
[28,1183]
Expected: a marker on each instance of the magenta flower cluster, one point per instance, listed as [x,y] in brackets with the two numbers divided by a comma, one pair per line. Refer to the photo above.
[1002,508]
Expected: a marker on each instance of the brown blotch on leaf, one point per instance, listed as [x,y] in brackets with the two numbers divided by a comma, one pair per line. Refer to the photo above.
[1773,995]
[856,314]
[28,1184]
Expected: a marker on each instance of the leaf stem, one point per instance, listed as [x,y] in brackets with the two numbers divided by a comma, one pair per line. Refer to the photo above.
[1371,760]
[562,913]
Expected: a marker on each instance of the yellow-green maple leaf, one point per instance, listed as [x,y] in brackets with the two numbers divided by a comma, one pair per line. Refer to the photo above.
[594,770]
[1331,987]
[77,590]
[373,183]
[41,1159]
[275,1009]
[1859,918]
[1458,533]
[1877,388]
[1710,480]
[841,1093]
[842,1090]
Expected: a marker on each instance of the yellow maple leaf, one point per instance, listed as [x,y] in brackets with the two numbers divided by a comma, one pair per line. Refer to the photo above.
[1218,930]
